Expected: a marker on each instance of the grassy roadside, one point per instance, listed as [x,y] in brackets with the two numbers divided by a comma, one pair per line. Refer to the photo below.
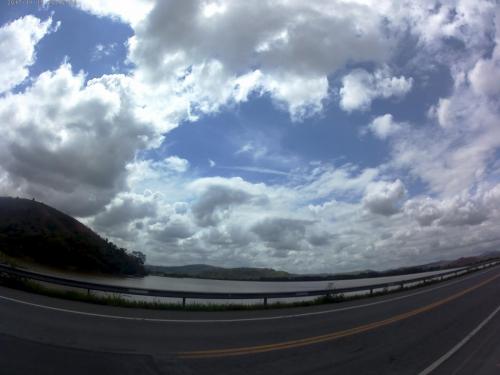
[10,261]
[116,300]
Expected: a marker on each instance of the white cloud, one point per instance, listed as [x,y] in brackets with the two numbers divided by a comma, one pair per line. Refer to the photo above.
[174,229]
[285,48]
[177,164]
[302,96]
[125,208]
[61,130]
[216,202]
[103,50]
[384,198]
[458,152]
[459,210]
[384,126]
[257,170]
[290,43]
[129,11]
[282,234]
[436,22]
[326,181]
[485,75]
[18,40]
[360,88]
[463,137]
[255,150]
[443,112]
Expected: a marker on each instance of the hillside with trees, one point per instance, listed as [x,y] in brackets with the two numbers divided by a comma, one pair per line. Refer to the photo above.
[40,233]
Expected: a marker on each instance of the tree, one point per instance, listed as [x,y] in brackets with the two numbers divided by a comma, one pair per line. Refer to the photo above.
[140,256]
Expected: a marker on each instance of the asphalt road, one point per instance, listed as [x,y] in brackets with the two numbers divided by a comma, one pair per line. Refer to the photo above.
[448,328]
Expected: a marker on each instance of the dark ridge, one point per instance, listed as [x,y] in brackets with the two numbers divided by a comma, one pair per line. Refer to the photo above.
[33,230]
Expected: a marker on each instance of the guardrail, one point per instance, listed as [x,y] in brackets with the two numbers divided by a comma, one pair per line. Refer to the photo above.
[217,295]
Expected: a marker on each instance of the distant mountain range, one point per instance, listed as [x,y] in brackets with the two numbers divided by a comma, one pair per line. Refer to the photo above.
[42,234]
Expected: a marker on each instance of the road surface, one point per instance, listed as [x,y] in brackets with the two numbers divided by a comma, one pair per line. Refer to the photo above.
[447,328]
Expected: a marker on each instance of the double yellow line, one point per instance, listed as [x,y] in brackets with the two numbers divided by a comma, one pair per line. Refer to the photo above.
[330,336]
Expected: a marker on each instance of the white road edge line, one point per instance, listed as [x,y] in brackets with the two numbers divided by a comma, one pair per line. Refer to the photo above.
[457,347]
[159,320]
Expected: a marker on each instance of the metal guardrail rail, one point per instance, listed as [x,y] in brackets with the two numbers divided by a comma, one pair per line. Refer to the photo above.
[219,295]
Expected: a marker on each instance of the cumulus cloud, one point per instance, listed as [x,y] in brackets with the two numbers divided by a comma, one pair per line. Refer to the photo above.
[216,201]
[456,211]
[129,11]
[176,228]
[177,164]
[485,75]
[18,40]
[124,209]
[272,31]
[284,49]
[60,136]
[360,88]
[425,211]
[436,23]
[290,43]
[458,152]
[463,136]
[384,198]
[302,96]
[384,126]
[281,233]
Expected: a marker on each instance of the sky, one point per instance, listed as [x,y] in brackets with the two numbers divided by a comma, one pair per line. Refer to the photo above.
[307,136]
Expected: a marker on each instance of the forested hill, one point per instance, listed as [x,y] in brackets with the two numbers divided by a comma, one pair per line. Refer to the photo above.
[30,229]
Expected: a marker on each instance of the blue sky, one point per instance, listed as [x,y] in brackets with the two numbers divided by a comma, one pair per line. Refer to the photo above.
[314,137]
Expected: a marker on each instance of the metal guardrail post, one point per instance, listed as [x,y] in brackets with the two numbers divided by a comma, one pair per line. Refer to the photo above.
[330,290]
[183,302]
[265,301]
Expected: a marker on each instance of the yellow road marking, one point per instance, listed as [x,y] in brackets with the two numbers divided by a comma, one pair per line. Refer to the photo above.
[330,336]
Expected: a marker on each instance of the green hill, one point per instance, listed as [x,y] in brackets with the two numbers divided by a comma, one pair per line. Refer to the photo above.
[33,230]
